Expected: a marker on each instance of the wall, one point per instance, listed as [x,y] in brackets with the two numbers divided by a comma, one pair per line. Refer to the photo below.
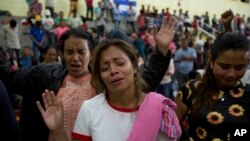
[19,7]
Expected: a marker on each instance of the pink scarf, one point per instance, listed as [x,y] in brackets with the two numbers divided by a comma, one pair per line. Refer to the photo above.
[148,120]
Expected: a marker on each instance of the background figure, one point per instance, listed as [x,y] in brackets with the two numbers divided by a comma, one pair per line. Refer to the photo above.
[27,60]
[105,5]
[49,4]
[60,18]
[84,26]
[73,6]
[139,45]
[90,10]
[11,36]
[117,16]
[131,17]
[38,37]
[48,24]
[100,23]
[36,8]
[165,87]
[60,30]
[184,58]
[74,21]
[49,55]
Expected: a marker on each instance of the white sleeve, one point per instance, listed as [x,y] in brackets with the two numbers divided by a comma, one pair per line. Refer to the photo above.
[83,121]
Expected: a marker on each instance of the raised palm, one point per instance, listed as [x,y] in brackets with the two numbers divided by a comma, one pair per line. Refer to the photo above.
[53,112]
[166,33]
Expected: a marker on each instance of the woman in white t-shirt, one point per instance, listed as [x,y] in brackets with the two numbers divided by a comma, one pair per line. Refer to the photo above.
[123,110]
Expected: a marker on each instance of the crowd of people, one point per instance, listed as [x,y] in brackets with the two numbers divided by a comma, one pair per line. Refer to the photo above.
[77,82]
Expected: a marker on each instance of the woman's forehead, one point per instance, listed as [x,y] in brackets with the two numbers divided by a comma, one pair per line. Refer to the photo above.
[233,56]
[76,42]
[113,53]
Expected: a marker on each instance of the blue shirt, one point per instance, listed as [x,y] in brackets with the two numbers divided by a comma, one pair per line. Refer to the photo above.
[184,66]
[26,62]
[37,33]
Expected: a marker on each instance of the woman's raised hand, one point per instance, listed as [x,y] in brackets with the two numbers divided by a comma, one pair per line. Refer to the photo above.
[166,33]
[53,112]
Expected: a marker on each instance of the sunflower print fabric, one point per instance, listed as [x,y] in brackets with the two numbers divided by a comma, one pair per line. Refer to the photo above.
[230,110]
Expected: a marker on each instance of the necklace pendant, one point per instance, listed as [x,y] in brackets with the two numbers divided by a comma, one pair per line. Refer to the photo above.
[222,99]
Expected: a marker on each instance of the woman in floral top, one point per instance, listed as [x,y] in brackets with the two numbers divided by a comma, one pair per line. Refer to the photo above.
[218,104]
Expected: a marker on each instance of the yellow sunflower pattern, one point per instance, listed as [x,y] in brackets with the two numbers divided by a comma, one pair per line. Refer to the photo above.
[236,110]
[215,118]
[237,93]
[191,139]
[201,132]
[219,96]
[216,139]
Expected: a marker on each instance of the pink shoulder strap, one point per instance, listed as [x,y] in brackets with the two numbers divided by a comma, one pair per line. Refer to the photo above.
[148,119]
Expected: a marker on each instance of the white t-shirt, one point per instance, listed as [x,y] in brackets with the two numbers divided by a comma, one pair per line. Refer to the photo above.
[105,123]
[131,15]
[75,22]
[12,37]
[48,23]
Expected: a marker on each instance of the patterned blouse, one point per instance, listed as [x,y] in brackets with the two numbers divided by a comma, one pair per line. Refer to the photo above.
[231,110]
[73,92]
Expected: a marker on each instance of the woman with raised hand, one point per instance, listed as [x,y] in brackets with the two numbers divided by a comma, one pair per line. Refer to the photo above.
[71,80]
[123,110]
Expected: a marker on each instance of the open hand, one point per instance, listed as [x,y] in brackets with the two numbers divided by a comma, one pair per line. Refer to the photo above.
[53,112]
[166,33]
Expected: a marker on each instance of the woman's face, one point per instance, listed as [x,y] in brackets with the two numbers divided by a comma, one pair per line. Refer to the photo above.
[116,70]
[50,56]
[229,67]
[76,56]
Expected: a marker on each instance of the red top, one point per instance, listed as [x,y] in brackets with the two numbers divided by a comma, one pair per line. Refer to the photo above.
[89,3]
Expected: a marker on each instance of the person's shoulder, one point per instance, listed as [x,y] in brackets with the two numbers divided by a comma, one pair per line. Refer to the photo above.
[178,51]
[48,68]
[95,101]
[191,49]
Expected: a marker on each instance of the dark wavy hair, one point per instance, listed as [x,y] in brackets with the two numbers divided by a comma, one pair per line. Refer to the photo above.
[224,42]
[76,33]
